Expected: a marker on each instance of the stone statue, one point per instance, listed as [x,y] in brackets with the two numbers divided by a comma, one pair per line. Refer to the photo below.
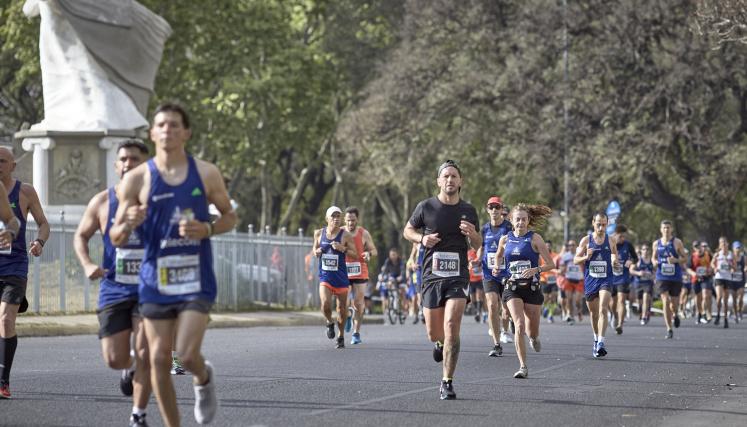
[99,60]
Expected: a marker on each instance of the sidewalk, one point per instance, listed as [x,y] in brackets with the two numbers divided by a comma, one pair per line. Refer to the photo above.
[84,324]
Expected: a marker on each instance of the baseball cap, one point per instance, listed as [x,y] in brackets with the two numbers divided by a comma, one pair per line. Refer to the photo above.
[737,244]
[331,210]
[495,200]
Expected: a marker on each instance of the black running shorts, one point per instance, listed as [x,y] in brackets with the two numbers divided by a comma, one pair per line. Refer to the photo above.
[491,285]
[436,293]
[172,311]
[12,289]
[673,288]
[529,293]
[117,317]
[474,286]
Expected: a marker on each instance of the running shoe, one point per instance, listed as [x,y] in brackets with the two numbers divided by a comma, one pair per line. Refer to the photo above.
[349,321]
[523,372]
[676,321]
[206,401]
[4,391]
[703,320]
[718,320]
[331,330]
[415,320]
[176,367]
[506,338]
[477,317]
[670,334]
[594,349]
[438,352]
[643,322]
[138,420]
[485,317]
[356,338]
[726,322]
[535,344]
[545,311]
[550,319]
[340,342]
[736,319]
[125,381]
[447,390]
[496,351]
[619,330]
[601,351]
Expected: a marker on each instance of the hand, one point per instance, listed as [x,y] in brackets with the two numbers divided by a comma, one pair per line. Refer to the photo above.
[671,259]
[529,273]
[35,248]
[193,229]
[366,256]
[495,271]
[6,239]
[475,263]
[616,265]
[590,253]
[628,263]
[430,240]
[93,271]
[318,252]
[135,215]
[339,247]
[467,228]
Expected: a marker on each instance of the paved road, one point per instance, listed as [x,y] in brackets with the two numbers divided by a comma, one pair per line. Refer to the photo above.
[280,376]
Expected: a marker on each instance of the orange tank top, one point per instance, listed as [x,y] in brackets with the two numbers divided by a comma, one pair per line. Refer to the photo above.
[357,268]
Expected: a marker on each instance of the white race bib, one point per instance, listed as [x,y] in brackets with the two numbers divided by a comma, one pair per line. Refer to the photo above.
[737,276]
[7,250]
[551,280]
[724,267]
[127,265]
[179,274]
[701,271]
[617,271]
[330,262]
[354,268]
[667,269]
[516,268]
[491,260]
[574,273]
[598,269]
[445,264]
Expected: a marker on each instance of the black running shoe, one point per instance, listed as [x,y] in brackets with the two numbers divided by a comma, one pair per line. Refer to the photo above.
[438,352]
[331,331]
[676,321]
[138,421]
[619,330]
[496,351]
[718,320]
[340,342]
[670,334]
[447,391]
[125,381]
[726,322]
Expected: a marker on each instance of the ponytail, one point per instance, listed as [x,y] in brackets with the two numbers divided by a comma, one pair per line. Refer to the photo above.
[538,214]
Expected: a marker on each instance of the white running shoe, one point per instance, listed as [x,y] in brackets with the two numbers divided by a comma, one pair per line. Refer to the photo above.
[523,372]
[506,338]
[535,344]
[206,401]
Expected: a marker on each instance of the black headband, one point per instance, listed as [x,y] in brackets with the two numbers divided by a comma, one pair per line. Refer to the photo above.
[446,164]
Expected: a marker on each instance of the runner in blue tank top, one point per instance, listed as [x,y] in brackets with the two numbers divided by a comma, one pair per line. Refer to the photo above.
[492,231]
[331,244]
[15,205]
[598,253]
[737,278]
[643,273]
[668,253]
[522,248]
[169,197]
[119,318]
[621,279]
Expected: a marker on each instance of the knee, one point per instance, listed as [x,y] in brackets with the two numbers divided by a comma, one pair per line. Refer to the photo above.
[492,307]
[160,357]
[117,361]
[520,326]
[8,324]
[142,358]
[189,360]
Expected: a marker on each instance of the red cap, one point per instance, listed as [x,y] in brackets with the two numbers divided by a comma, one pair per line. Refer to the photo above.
[495,200]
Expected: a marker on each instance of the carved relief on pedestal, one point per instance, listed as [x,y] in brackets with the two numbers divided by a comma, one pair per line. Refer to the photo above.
[76,174]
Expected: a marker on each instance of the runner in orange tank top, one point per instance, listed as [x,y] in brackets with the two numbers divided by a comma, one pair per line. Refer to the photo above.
[358,270]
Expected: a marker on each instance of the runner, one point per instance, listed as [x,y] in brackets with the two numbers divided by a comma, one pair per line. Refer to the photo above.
[476,292]
[522,248]
[171,193]
[445,220]
[737,277]
[598,252]
[491,233]
[14,262]
[699,264]
[667,253]
[723,264]
[643,272]
[358,270]
[549,283]
[413,277]
[573,283]
[621,276]
[117,311]
[331,245]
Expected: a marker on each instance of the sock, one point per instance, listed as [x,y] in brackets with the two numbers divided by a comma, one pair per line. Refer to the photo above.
[601,340]
[446,380]
[7,352]
[137,411]
[596,338]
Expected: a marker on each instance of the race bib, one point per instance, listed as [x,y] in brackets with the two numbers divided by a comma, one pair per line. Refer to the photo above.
[552,280]
[617,271]
[516,268]
[445,264]
[127,265]
[491,260]
[574,273]
[724,267]
[667,269]
[354,268]
[330,262]
[737,276]
[7,250]
[701,271]
[179,274]
[598,269]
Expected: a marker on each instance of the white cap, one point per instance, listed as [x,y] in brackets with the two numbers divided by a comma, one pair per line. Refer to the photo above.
[331,210]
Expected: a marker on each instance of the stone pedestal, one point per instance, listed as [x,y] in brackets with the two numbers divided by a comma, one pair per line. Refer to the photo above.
[70,167]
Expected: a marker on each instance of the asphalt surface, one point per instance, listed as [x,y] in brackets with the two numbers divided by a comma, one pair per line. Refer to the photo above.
[280,376]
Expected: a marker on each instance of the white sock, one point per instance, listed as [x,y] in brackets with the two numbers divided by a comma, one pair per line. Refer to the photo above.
[596,338]
[601,340]
[137,411]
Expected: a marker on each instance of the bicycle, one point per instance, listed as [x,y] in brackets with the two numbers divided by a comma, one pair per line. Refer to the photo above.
[394,311]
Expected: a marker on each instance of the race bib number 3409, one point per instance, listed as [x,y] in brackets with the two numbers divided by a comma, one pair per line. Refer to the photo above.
[179,274]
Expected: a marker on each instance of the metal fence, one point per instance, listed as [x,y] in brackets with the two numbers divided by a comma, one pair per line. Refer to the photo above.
[252,269]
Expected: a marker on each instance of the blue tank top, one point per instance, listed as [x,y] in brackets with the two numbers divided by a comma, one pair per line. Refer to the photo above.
[490,239]
[598,269]
[644,266]
[15,262]
[664,270]
[421,257]
[122,265]
[175,269]
[332,263]
[622,275]
[520,256]
[738,274]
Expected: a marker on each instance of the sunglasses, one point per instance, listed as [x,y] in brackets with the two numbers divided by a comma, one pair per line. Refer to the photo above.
[494,207]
